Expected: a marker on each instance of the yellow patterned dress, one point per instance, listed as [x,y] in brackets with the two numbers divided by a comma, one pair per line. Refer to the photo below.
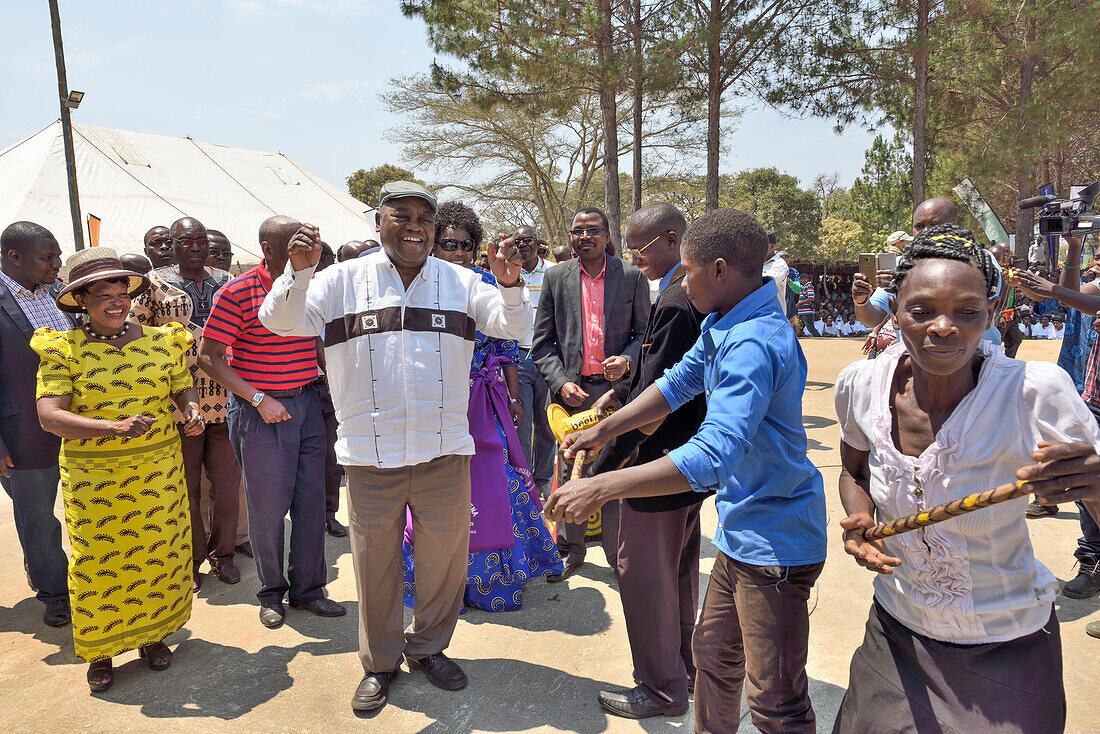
[125,498]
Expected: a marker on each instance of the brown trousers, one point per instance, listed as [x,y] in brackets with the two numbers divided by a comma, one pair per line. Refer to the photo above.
[213,451]
[659,586]
[754,621]
[438,494]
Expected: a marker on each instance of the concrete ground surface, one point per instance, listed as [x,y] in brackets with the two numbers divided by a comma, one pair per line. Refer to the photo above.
[537,669]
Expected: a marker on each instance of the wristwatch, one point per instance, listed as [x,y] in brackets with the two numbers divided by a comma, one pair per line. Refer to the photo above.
[257,399]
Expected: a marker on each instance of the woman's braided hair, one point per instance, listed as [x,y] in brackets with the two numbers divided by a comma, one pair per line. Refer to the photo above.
[948,242]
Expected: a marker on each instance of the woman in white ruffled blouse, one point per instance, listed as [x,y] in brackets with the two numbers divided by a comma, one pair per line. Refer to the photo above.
[962,635]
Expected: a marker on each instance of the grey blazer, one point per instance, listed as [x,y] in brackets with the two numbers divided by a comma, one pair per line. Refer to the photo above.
[21,435]
[557,347]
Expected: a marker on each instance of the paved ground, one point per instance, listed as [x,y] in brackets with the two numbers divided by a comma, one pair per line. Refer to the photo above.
[534,670]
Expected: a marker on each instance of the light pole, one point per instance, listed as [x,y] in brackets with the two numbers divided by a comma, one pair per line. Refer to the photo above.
[68,101]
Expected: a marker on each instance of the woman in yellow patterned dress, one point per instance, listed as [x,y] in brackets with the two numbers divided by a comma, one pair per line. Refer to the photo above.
[107,389]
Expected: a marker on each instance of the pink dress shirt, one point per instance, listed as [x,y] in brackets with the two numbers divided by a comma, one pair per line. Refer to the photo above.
[592,313]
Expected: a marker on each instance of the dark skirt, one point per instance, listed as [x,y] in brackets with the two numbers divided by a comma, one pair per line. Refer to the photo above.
[901,681]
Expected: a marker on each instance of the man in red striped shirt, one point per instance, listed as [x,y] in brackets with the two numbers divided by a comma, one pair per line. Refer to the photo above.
[277,430]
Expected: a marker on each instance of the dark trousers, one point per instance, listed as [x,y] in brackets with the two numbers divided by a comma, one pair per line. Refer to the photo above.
[571,536]
[754,620]
[534,431]
[808,324]
[334,473]
[284,465]
[659,585]
[214,451]
[33,493]
[1088,546]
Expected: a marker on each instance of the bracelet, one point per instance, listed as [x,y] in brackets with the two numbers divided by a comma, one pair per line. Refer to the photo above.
[1067,266]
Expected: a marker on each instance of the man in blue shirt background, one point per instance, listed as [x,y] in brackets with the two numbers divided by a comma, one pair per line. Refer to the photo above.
[751,449]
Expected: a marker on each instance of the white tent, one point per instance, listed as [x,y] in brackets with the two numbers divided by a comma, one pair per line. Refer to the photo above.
[135,181]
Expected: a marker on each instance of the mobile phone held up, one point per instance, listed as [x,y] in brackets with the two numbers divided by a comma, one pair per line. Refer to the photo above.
[870,263]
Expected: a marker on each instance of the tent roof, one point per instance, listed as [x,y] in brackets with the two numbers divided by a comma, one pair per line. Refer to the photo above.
[135,181]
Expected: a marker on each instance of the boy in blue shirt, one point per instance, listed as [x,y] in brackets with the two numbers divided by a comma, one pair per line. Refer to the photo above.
[751,449]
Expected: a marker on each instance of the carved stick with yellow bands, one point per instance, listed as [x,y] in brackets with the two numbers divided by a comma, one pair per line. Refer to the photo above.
[578,464]
[948,510]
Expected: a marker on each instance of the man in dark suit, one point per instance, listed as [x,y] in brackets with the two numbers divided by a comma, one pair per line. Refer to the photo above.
[658,536]
[30,260]
[588,335]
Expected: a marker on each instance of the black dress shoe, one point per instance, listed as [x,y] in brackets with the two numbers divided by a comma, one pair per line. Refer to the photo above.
[441,670]
[637,703]
[272,616]
[227,573]
[570,569]
[372,691]
[57,613]
[196,580]
[244,548]
[321,607]
[334,528]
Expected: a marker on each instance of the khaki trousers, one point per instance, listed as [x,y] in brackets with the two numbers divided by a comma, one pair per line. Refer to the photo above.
[438,494]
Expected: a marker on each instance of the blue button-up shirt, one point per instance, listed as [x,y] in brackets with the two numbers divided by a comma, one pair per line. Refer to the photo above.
[751,447]
[668,277]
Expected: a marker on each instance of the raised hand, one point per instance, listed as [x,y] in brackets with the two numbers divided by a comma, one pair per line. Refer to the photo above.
[504,261]
[304,247]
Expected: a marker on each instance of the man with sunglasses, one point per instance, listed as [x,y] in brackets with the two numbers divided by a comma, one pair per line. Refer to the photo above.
[588,334]
[534,430]
[184,293]
[399,338]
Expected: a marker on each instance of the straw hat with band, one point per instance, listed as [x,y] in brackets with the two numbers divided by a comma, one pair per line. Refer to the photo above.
[92,266]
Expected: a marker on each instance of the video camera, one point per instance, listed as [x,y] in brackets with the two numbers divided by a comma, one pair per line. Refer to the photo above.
[1067,217]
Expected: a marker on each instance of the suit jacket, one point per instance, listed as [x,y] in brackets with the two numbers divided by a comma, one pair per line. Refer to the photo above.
[21,435]
[674,327]
[558,344]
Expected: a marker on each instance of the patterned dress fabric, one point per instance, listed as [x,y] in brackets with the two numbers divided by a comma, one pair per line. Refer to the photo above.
[495,578]
[167,302]
[125,499]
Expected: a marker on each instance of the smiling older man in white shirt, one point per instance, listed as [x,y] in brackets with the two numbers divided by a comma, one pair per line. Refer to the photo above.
[399,336]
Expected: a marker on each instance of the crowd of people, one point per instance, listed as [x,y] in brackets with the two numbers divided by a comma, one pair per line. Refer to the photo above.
[185,413]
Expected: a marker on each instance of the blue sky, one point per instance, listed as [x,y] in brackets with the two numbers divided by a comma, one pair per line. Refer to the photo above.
[300,77]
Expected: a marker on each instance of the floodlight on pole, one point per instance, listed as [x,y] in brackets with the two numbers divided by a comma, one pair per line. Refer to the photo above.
[73,100]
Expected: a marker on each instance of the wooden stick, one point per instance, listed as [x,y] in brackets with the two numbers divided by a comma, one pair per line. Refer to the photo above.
[948,510]
[578,464]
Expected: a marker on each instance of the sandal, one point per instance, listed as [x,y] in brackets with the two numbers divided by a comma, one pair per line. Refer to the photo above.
[100,675]
[157,655]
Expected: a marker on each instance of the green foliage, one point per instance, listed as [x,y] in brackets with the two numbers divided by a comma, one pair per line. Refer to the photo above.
[365,185]
[882,196]
[777,200]
[840,239]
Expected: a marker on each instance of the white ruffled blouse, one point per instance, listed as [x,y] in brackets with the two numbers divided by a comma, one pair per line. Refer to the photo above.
[972,579]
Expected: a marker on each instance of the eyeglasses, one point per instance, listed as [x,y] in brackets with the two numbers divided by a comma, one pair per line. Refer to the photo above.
[587,231]
[640,250]
[450,245]
[524,240]
[189,242]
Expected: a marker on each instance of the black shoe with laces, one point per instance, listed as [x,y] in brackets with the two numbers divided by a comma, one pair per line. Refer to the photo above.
[1087,583]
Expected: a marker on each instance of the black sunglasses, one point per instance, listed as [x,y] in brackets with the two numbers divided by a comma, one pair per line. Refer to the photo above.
[587,231]
[451,244]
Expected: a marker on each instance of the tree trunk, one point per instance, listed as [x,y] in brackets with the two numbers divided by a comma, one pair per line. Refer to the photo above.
[609,121]
[1025,171]
[638,89]
[714,101]
[920,103]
